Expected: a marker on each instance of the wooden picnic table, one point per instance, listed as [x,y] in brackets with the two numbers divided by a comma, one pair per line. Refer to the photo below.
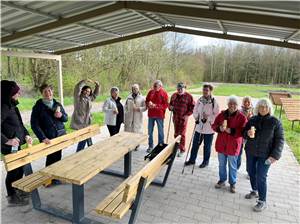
[81,167]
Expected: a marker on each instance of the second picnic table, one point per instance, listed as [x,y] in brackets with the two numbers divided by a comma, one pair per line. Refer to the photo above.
[81,167]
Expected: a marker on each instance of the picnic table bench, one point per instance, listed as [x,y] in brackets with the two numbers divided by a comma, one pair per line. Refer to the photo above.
[276,98]
[128,195]
[292,109]
[79,168]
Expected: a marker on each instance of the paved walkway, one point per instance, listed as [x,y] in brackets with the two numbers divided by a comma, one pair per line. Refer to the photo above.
[186,198]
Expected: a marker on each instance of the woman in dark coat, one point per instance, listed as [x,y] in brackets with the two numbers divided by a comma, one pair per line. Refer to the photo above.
[13,135]
[265,141]
[47,121]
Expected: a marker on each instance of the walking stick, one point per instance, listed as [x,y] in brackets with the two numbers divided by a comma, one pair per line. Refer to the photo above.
[169,126]
[189,149]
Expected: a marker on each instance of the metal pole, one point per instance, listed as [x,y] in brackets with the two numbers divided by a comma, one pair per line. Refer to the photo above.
[60,81]
[127,164]
[78,202]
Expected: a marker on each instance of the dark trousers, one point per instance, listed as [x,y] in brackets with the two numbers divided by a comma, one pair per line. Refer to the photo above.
[81,144]
[114,129]
[53,158]
[11,177]
[239,159]
[197,140]
[258,172]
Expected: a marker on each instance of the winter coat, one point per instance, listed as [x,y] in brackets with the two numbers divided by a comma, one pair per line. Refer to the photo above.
[160,99]
[269,137]
[43,122]
[229,144]
[134,119]
[81,116]
[210,108]
[108,107]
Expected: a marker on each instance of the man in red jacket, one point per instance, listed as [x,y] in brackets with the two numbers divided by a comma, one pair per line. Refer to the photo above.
[182,105]
[157,103]
[229,125]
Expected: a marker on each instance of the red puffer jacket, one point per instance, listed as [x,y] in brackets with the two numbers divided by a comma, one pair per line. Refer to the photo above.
[229,144]
[160,99]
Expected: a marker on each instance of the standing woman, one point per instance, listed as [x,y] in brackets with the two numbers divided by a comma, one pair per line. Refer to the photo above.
[81,117]
[13,135]
[47,121]
[265,141]
[134,107]
[114,112]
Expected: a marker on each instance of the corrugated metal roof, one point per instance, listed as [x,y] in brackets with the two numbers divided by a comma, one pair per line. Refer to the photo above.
[18,16]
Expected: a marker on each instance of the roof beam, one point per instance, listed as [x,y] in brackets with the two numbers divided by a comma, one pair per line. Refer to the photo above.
[222,27]
[115,40]
[65,21]
[236,38]
[215,14]
[148,18]
[292,35]
[30,55]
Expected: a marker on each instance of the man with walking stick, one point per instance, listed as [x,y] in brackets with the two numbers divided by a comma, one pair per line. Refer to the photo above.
[182,105]
[205,111]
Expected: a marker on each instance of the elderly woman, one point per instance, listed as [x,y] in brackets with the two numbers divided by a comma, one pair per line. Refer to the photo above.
[13,135]
[114,112]
[47,122]
[81,117]
[247,110]
[265,140]
[134,107]
[229,125]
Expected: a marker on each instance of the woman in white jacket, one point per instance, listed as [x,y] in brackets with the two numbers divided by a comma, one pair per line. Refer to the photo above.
[205,112]
[134,107]
[114,112]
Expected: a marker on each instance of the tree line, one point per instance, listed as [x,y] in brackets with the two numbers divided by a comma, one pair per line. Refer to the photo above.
[168,57]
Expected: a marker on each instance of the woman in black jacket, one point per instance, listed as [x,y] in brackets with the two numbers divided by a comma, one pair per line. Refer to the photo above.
[47,121]
[265,141]
[13,135]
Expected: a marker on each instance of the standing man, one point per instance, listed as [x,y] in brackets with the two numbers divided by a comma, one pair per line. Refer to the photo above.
[157,103]
[182,105]
[205,111]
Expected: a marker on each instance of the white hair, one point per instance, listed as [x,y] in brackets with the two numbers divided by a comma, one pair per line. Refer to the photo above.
[264,102]
[158,82]
[247,98]
[233,99]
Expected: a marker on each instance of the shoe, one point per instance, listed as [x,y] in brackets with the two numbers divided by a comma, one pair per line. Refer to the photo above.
[180,154]
[149,149]
[232,188]
[187,163]
[260,206]
[22,194]
[14,200]
[202,165]
[252,194]
[220,184]
[56,182]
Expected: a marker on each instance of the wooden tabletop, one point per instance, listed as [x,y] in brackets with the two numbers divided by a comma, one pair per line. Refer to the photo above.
[84,165]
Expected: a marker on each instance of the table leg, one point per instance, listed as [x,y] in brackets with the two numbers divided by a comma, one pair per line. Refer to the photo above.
[127,164]
[78,202]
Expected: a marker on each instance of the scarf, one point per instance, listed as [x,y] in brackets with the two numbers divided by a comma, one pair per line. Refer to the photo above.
[48,103]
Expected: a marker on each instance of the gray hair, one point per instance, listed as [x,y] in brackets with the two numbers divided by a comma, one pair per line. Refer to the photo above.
[264,102]
[158,82]
[233,99]
[114,89]
[247,98]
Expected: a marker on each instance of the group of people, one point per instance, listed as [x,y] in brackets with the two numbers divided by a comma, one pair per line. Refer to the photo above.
[254,129]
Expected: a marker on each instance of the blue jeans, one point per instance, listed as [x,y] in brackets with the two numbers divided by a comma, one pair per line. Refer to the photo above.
[232,166]
[197,140]
[81,144]
[160,127]
[258,172]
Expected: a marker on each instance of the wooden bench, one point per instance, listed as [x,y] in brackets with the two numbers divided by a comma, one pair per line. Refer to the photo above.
[129,194]
[292,109]
[276,99]
[24,157]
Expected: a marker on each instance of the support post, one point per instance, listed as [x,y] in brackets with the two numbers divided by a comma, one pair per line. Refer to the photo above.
[127,164]
[60,81]
[78,203]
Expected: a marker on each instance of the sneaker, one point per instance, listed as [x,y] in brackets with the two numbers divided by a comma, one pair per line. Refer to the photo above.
[220,184]
[149,149]
[180,154]
[252,194]
[260,206]
[56,182]
[232,188]
[188,163]
[15,200]
[202,165]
